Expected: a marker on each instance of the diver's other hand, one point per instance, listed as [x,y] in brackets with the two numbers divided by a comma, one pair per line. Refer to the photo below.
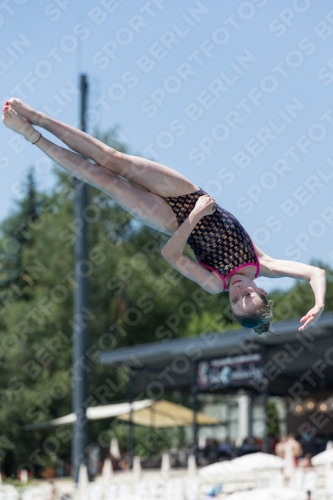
[205,205]
[312,316]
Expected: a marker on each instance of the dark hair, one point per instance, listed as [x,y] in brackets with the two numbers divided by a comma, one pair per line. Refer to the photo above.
[259,319]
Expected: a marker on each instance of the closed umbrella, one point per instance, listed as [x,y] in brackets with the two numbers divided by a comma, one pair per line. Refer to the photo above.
[328,472]
[289,467]
[191,467]
[268,494]
[217,472]
[328,465]
[328,480]
[114,449]
[259,462]
[107,472]
[165,466]
[325,457]
[83,481]
[137,469]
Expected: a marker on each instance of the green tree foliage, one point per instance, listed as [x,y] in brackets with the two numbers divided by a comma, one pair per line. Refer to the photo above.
[273,419]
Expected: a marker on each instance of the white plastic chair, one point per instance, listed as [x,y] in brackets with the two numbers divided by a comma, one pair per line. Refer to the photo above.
[153,488]
[141,490]
[31,494]
[111,492]
[271,480]
[276,481]
[26,495]
[310,481]
[296,481]
[174,489]
[192,489]
[8,492]
[124,490]
[262,482]
[328,485]
[95,492]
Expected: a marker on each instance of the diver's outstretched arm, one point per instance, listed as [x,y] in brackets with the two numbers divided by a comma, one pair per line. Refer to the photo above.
[174,248]
[273,268]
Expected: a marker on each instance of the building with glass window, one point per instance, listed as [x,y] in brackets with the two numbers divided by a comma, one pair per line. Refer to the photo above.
[257,387]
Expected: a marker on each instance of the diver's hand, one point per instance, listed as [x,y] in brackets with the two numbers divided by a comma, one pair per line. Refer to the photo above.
[205,205]
[312,316]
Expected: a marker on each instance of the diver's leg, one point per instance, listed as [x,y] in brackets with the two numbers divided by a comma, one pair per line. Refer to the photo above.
[153,176]
[147,207]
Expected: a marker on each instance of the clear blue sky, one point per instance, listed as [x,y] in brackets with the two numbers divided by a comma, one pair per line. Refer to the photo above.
[235,95]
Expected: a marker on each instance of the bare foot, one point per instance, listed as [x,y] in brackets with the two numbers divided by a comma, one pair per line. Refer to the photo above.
[13,120]
[31,115]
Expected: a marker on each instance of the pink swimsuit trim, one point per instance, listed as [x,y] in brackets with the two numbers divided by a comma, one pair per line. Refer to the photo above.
[258,262]
[223,278]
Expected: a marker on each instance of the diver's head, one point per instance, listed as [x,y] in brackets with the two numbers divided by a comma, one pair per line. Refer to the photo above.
[249,304]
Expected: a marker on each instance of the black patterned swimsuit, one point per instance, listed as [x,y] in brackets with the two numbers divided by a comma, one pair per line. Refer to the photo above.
[219,241]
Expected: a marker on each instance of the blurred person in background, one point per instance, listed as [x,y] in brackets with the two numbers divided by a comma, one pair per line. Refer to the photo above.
[280,447]
[249,446]
[306,462]
[226,449]
[296,447]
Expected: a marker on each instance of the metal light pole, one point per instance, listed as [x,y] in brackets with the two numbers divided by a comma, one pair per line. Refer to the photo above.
[80,327]
[194,391]
[264,394]
[130,440]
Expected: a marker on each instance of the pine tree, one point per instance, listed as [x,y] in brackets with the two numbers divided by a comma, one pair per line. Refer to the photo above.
[16,233]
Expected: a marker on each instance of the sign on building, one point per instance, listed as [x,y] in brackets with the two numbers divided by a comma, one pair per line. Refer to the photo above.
[235,371]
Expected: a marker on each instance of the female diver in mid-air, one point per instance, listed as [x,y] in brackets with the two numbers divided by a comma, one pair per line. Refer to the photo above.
[226,258]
